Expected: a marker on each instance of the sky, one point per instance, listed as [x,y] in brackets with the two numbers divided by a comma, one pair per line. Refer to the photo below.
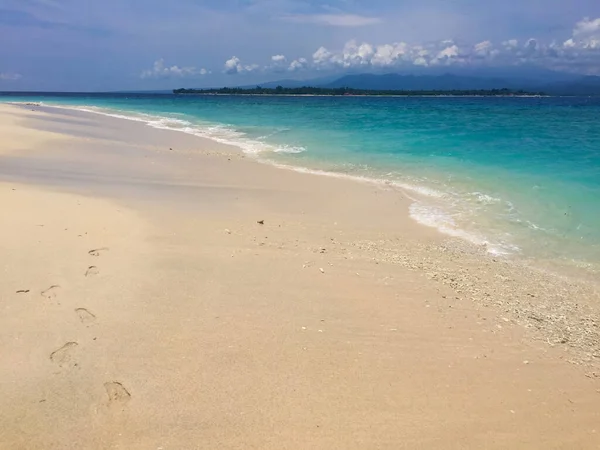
[99,45]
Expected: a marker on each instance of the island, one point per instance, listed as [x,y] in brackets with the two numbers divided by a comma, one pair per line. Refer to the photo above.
[324,91]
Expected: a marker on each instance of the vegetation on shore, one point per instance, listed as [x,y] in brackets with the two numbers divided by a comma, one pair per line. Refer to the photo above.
[307,90]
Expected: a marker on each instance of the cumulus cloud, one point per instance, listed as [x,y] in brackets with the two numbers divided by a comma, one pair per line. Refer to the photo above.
[160,70]
[389,54]
[9,76]
[298,65]
[363,55]
[278,64]
[484,49]
[234,66]
[335,20]
[579,53]
[586,35]
[448,53]
[587,27]
[321,56]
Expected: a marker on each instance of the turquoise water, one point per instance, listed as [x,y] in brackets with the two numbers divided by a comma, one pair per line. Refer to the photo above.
[519,174]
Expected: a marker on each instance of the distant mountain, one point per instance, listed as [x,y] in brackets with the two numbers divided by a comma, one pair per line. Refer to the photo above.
[288,83]
[552,84]
[531,80]
[589,85]
[524,74]
[446,82]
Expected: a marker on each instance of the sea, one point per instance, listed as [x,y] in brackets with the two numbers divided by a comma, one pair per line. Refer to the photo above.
[517,175]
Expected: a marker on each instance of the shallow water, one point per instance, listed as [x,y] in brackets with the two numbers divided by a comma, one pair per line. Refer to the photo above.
[519,174]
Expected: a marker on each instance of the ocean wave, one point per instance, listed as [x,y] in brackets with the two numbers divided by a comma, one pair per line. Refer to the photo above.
[289,149]
[438,218]
[485,199]
[275,133]
[405,187]
[533,226]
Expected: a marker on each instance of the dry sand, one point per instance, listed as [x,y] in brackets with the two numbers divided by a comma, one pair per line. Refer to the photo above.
[158,312]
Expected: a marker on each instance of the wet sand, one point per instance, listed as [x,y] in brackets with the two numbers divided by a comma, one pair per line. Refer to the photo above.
[163,291]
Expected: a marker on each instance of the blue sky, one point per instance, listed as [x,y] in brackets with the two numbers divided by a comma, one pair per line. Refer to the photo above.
[157,44]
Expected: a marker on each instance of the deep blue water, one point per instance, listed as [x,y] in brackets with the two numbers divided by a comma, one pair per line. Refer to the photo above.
[521,174]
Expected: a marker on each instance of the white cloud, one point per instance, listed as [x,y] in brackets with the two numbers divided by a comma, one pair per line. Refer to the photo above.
[278,64]
[355,55]
[587,27]
[581,52]
[483,48]
[448,52]
[159,70]
[586,35]
[365,55]
[420,61]
[321,56]
[389,54]
[234,66]
[335,20]
[298,64]
[9,76]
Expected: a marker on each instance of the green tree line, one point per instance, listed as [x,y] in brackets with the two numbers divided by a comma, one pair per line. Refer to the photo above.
[307,90]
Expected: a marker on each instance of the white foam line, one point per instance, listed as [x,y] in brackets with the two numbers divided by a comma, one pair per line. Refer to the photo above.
[438,219]
[419,190]
[219,133]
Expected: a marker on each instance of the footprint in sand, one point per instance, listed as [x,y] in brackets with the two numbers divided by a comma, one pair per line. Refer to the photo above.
[91,271]
[51,292]
[97,251]
[64,355]
[86,317]
[117,394]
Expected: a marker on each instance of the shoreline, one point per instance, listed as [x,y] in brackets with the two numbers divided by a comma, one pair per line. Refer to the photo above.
[578,270]
[465,243]
[415,193]
[418,192]
[334,306]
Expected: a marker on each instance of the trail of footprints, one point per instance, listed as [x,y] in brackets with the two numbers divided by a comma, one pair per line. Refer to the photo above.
[64,357]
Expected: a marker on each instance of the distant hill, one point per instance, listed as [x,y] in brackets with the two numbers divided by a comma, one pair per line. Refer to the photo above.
[540,80]
[589,85]
[288,83]
[568,84]
[445,82]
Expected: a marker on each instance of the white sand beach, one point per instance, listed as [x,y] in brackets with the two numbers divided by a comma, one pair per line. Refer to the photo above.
[162,291]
